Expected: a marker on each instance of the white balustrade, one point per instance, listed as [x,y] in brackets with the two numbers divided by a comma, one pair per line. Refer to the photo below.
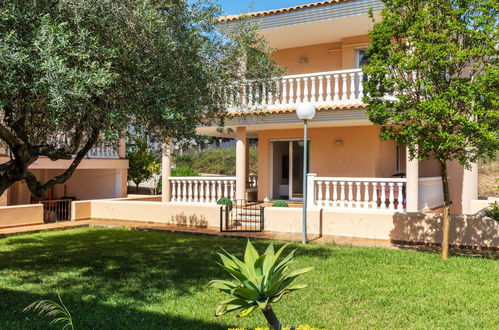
[202,189]
[358,193]
[322,88]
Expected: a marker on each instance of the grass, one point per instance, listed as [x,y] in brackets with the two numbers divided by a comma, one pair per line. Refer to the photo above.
[119,279]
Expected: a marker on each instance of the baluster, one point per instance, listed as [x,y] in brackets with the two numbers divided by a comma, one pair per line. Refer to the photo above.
[352,85]
[298,91]
[219,190]
[184,191]
[400,198]
[264,94]
[350,195]
[305,90]
[284,93]
[250,94]
[201,191]
[383,195]
[335,194]
[244,95]
[375,195]
[391,206]
[214,191]
[174,191]
[366,195]
[189,197]
[361,86]
[196,191]
[291,91]
[319,193]
[226,188]
[328,88]
[320,97]
[344,94]
[313,92]
[336,88]
[342,194]
[275,95]
[327,199]
[233,190]
[358,197]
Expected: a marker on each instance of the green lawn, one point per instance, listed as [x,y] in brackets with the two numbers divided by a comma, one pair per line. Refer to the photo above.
[119,279]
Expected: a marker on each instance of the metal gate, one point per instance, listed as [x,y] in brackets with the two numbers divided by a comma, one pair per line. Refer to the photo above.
[56,210]
[242,216]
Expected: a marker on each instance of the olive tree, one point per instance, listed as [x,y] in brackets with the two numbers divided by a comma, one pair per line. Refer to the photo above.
[74,73]
[433,82]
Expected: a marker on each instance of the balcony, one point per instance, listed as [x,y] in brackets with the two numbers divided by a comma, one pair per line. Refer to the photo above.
[327,90]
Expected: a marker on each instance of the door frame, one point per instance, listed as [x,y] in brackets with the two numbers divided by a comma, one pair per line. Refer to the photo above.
[290,166]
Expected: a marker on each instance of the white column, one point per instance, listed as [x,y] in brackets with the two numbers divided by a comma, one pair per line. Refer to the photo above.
[118,183]
[241,145]
[311,189]
[166,170]
[470,188]
[412,189]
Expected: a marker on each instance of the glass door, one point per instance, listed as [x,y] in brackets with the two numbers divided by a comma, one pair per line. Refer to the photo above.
[296,169]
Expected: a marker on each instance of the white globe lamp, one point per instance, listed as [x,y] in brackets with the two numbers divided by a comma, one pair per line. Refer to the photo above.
[305,111]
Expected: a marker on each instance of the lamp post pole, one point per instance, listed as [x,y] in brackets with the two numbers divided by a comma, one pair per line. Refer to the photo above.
[305,172]
[305,112]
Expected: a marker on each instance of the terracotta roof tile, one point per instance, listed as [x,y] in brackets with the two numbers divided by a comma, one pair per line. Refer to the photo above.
[231,18]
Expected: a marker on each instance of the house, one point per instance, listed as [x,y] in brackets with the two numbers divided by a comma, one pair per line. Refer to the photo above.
[323,47]
[101,174]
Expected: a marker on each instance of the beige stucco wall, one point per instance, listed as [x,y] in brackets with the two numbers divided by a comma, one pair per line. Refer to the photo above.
[21,215]
[362,154]
[80,210]
[197,215]
[320,58]
[416,227]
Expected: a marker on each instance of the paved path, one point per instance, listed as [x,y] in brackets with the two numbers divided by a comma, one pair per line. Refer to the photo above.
[149,226]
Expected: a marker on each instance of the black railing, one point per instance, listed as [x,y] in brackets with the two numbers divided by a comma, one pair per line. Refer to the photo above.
[56,210]
[242,216]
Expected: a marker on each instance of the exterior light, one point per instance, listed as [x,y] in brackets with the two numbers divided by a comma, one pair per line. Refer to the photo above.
[305,111]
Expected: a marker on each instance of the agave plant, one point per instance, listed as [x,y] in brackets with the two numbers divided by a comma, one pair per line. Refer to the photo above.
[57,311]
[259,281]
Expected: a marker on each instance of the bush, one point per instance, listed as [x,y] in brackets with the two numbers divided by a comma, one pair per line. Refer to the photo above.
[184,171]
[493,211]
[225,201]
[280,203]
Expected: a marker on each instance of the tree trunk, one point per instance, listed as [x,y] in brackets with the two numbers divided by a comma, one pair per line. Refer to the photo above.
[137,188]
[446,215]
[271,318]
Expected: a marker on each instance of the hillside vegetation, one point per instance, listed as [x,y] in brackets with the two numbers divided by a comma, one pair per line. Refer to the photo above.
[216,161]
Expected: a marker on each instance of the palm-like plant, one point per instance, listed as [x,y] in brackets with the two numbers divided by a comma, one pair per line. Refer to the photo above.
[50,308]
[259,281]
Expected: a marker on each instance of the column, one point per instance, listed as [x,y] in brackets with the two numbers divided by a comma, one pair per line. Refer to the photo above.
[166,170]
[241,159]
[470,188]
[412,188]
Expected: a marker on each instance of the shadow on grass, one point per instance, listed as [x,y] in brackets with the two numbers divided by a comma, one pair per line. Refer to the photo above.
[90,315]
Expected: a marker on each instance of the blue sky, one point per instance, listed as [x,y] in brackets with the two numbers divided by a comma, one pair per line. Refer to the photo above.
[237,6]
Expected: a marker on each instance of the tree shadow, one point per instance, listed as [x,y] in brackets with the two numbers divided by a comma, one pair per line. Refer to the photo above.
[91,314]
[471,235]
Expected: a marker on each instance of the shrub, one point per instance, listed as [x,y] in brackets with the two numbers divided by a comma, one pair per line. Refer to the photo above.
[260,280]
[280,203]
[184,171]
[493,211]
[225,201]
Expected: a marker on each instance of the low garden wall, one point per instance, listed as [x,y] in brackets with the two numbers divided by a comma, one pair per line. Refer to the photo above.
[195,215]
[473,230]
[21,215]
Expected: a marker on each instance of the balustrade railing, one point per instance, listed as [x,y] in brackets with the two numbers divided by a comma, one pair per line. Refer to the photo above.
[357,193]
[202,189]
[322,88]
[101,150]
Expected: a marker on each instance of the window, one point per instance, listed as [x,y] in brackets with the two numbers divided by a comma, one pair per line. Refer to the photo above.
[361,57]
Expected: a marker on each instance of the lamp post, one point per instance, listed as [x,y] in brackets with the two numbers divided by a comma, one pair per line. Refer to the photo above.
[305,111]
